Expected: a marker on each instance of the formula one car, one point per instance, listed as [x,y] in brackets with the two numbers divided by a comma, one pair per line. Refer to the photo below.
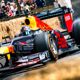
[40,46]
[27,51]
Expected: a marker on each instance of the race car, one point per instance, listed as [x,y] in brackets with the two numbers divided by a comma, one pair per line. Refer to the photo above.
[27,51]
[42,45]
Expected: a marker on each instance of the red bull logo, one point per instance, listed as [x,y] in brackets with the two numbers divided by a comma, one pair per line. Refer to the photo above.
[35,23]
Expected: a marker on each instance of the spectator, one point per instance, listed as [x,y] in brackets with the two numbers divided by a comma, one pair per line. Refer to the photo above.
[25,7]
[2,3]
[8,9]
[19,1]
[40,3]
[1,13]
[14,8]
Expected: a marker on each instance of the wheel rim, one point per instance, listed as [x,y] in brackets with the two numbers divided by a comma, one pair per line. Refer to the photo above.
[53,46]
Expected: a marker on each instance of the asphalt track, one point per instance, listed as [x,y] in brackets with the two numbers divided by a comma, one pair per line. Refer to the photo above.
[63,58]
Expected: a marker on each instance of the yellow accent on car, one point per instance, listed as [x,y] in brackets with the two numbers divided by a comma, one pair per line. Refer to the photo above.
[8,56]
[33,24]
[4,50]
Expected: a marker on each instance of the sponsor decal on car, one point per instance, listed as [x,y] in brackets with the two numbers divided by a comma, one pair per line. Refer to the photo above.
[33,59]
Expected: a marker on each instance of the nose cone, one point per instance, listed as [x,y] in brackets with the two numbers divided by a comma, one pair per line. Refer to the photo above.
[4,50]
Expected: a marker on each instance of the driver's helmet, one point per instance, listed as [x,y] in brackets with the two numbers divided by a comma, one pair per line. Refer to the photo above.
[25,30]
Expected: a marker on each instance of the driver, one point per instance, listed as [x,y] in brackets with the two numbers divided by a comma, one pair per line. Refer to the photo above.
[25,30]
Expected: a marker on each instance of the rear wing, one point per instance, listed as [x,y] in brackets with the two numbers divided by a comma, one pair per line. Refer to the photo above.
[62,11]
[53,13]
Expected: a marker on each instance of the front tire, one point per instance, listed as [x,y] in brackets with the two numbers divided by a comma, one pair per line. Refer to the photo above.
[44,41]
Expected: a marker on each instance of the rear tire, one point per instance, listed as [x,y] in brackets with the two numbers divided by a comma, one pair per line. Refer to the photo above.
[43,41]
[76,31]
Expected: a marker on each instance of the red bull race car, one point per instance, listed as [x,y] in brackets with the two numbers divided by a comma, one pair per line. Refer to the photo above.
[41,45]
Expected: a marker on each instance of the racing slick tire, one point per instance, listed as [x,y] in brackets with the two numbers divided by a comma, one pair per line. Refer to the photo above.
[44,41]
[76,31]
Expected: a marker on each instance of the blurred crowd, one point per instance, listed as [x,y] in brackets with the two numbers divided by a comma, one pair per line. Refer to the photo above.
[11,8]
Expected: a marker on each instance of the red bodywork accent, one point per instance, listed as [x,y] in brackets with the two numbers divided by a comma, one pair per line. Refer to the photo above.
[23,43]
[31,62]
[68,21]
[41,25]
[62,43]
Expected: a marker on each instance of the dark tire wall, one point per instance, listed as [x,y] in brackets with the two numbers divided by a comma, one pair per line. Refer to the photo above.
[42,43]
[76,31]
